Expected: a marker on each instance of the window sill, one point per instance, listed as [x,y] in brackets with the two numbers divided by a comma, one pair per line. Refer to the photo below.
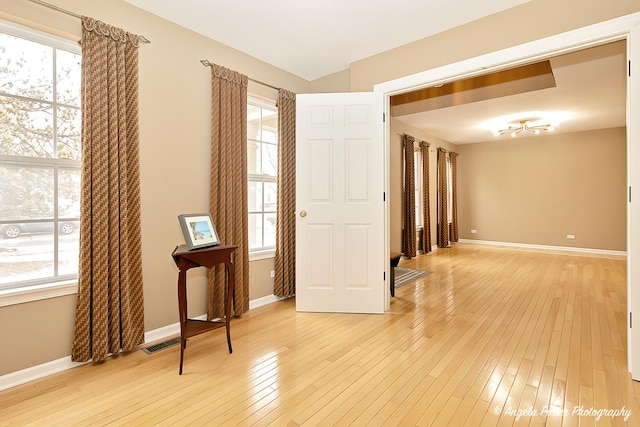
[38,292]
[258,255]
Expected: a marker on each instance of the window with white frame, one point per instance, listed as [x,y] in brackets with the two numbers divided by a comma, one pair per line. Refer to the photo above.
[39,158]
[262,165]
[449,191]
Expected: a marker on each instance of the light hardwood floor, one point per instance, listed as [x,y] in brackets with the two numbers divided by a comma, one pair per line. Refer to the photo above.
[490,332]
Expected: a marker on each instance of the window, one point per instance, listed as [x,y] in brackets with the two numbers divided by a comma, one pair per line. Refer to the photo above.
[449,191]
[417,178]
[262,162]
[39,158]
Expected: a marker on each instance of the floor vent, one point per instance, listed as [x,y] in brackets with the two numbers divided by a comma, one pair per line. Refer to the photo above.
[161,346]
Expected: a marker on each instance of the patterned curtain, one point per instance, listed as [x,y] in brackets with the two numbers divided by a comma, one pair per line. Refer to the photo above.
[228,187]
[409,206]
[285,259]
[453,158]
[426,213]
[109,312]
[443,223]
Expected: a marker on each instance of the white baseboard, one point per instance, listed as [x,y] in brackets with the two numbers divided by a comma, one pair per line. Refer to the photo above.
[564,249]
[259,302]
[49,368]
[35,372]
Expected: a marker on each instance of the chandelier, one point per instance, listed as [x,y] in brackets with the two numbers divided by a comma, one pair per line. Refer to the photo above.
[524,126]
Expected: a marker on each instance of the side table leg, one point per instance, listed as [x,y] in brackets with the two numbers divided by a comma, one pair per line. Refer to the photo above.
[182,311]
[231,282]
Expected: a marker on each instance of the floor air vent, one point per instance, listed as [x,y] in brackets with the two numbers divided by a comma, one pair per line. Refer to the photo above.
[161,346]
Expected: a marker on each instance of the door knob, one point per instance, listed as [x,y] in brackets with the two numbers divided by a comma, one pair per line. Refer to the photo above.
[303,213]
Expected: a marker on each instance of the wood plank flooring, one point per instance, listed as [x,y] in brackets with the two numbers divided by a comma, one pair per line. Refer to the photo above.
[493,337]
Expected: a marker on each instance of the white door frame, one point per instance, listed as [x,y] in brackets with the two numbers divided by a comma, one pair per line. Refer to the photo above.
[607,31]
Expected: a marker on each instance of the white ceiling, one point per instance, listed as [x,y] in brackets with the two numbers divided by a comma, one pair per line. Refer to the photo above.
[312,39]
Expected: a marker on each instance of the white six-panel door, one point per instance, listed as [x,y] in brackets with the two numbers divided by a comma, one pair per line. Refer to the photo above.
[633,210]
[340,260]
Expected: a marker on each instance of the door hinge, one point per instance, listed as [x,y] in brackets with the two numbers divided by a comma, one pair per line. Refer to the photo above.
[384,196]
[384,276]
[629,194]
[630,320]
[384,117]
[629,69]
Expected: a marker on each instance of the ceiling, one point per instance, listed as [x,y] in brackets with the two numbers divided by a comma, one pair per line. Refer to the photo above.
[589,93]
[314,39]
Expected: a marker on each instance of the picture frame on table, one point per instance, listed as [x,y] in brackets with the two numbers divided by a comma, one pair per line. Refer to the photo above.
[198,230]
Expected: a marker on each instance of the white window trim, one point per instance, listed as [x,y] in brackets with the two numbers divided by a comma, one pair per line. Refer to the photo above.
[38,292]
[57,288]
[38,36]
[262,254]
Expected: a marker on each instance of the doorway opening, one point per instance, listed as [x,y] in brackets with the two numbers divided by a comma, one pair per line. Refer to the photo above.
[614,30]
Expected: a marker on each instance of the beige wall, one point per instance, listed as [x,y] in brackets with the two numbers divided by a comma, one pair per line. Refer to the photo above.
[174,146]
[537,190]
[528,190]
[530,21]
[336,82]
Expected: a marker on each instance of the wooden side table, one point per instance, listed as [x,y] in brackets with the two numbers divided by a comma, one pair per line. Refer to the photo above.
[206,257]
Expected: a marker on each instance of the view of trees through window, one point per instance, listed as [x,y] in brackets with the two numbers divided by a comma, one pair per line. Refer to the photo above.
[40,123]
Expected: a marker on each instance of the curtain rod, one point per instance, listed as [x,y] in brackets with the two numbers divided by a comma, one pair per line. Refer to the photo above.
[208,63]
[142,39]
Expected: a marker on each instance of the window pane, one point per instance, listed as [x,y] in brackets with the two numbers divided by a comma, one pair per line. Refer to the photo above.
[68,247]
[28,254]
[270,196]
[25,192]
[270,230]
[254,158]
[26,128]
[269,159]
[255,196]
[269,135]
[255,231]
[253,122]
[68,76]
[26,68]
[68,120]
[269,126]
[68,193]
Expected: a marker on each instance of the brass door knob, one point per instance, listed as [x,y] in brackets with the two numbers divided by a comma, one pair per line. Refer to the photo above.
[303,213]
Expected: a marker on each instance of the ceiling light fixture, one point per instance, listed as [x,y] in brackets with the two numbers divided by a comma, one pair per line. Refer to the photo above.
[524,125]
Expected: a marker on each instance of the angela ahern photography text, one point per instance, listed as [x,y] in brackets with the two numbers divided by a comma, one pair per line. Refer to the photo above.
[552,411]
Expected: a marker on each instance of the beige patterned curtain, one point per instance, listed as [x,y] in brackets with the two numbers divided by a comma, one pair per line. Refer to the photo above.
[228,187]
[285,259]
[426,213]
[109,311]
[443,223]
[453,158]
[409,205]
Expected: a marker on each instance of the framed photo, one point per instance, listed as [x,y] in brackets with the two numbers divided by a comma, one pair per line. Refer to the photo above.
[198,230]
